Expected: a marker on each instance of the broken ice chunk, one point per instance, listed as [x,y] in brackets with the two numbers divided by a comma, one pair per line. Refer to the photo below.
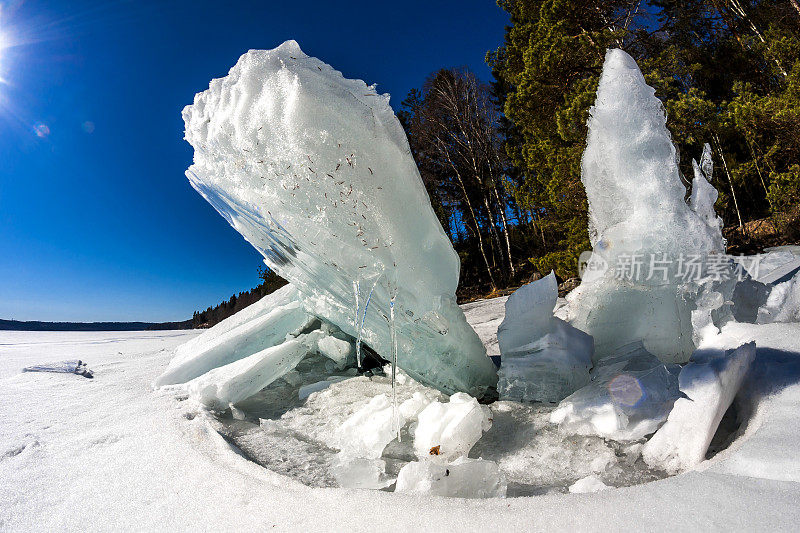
[542,357]
[639,222]
[590,483]
[449,430]
[360,472]
[463,478]
[630,395]
[367,432]
[241,379]
[411,408]
[254,329]
[337,350]
[710,385]
[548,369]
[528,314]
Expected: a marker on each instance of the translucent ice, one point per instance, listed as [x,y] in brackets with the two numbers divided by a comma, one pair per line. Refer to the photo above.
[710,384]
[367,432]
[231,383]
[360,472]
[463,478]
[257,327]
[639,219]
[630,396]
[543,358]
[447,431]
[314,170]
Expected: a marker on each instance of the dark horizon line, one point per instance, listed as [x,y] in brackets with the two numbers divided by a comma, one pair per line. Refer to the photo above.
[39,325]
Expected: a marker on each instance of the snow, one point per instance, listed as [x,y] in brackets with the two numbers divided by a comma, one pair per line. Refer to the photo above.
[130,458]
[315,172]
[783,303]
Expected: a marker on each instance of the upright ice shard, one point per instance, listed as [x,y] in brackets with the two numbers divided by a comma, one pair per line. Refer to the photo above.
[640,223]
[314,170]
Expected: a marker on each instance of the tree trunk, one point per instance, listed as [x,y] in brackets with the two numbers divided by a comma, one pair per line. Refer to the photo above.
[505,229]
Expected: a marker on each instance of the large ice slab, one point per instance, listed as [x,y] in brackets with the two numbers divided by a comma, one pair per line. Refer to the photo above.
[314,170]
[710,385]
[236,381]
[640,223]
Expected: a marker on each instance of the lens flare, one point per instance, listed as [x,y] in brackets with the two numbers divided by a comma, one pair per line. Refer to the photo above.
[625,390]
[41,129]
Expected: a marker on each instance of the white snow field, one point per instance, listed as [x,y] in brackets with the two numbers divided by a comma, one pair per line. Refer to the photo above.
[110,454]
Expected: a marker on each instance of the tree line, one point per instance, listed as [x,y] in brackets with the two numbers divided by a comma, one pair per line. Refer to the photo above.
[270,282]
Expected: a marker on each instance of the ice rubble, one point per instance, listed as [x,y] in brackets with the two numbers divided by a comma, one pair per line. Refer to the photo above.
[314,170]
[443,434]
[710,383]
[630,396]
[543,358]
[637,218]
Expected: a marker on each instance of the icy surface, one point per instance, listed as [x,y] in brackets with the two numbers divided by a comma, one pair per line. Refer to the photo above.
[449,430]
[463,478]
[314,170]
[637,213]
[630,396]
[543,358]
[710,384]
[367,432]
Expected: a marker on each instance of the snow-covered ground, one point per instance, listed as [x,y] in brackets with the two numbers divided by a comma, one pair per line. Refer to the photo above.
[109,453]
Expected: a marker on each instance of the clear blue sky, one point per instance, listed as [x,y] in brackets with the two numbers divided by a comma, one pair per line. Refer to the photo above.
[97,221]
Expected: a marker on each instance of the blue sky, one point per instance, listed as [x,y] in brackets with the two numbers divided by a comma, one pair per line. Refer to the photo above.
[97,221]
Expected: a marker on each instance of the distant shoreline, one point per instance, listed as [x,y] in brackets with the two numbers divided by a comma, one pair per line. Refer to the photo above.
[35,325]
